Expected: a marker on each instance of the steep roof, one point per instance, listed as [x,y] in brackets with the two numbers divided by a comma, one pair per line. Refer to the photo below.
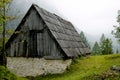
[63,32]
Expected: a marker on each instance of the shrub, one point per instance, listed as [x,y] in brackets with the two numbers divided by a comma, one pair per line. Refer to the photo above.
[6,74]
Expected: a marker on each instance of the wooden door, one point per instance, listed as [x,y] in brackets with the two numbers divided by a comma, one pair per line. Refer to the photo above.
[33,45]
[40,44]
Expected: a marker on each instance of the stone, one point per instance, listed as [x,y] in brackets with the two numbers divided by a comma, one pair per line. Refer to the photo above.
[115,68]
[36,66]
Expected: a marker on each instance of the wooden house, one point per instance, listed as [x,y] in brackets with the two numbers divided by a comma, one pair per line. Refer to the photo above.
[44,34]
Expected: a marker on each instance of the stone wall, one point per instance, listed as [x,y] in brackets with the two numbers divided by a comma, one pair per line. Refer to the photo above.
[36,66]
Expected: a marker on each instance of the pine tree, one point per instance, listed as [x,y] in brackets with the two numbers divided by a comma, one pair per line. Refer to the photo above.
[96,49]
[106,46]
[102,39]
[116,31]
[84,39]
[117,51]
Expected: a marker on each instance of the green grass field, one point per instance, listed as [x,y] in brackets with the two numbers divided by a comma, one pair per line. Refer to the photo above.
[88,68]
[85,68]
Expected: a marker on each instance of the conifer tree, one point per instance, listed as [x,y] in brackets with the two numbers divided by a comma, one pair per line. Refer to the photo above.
[117,51]
[96,49]
[84,39]
[106,46]
[102,39]
[116,31]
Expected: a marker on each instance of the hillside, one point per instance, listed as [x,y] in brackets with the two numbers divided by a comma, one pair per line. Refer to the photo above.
[88,68]
[84,68]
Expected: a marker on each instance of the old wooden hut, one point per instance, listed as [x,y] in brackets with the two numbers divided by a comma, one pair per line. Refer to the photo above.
[44,34]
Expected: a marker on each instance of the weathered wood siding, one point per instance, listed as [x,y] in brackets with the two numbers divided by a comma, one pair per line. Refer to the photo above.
[19,46]
[34,39]
[46,45]
[33,21]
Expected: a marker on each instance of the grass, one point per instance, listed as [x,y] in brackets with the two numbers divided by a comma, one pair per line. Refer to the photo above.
[87,68]
[84,68]
[5,74]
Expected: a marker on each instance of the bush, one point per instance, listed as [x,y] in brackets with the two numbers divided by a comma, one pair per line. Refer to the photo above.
[6,74]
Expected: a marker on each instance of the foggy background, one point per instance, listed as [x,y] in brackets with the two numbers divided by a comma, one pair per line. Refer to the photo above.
[93,17]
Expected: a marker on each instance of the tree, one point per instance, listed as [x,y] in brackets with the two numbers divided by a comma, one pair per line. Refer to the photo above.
[3,20]
[82,36]
[106,46]
[102,39]
[116,31]
[96,49]
[117,51]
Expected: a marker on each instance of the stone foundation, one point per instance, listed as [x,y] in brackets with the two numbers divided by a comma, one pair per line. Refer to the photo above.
[36,66]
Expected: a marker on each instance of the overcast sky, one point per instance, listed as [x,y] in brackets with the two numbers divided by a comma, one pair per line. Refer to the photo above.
[92,16]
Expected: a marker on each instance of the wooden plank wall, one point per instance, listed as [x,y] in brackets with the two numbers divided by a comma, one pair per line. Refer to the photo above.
[46,45]
[34,44]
